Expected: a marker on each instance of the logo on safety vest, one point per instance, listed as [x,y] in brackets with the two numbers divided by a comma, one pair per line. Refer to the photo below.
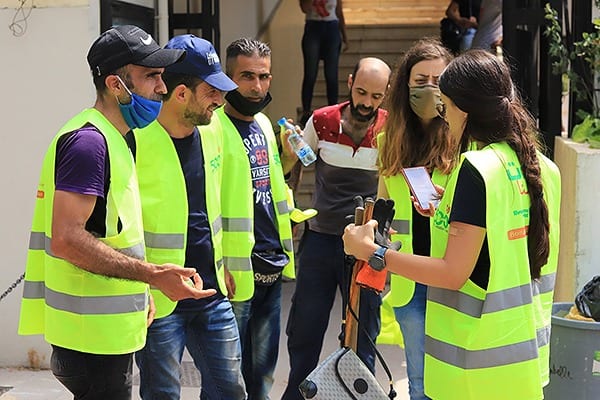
[518,233]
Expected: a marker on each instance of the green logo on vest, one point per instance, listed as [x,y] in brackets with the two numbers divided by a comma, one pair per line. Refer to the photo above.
[441,218]
[515,175]
[215,163]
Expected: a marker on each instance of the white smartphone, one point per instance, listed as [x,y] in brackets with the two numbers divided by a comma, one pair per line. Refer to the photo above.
[421,186]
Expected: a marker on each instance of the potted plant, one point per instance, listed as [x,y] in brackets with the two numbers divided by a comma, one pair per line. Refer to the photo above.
[587,51]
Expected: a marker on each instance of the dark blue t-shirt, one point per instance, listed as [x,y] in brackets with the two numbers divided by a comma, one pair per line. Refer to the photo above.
[255,144]
[199,252]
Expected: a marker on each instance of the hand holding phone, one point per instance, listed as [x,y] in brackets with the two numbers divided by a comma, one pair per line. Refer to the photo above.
[421,186]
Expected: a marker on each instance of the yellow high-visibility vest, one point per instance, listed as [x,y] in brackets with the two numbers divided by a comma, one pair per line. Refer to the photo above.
[238,203]
[73,308]
[493,343]
[165,203]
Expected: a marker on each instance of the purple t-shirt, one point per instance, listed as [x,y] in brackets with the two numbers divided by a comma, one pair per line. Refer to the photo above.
[82,166]
[81,162]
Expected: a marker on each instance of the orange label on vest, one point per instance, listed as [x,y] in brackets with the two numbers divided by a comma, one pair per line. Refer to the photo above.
[518,233]
[40,194]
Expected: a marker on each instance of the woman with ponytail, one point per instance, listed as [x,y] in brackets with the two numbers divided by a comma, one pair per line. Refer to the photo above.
[494,244]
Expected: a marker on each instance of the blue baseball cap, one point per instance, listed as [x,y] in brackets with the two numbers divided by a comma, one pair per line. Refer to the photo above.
[201,60]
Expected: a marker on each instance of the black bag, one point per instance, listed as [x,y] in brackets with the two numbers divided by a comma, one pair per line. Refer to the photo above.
[267,267]
[588,300]
[342,375]
[450,34]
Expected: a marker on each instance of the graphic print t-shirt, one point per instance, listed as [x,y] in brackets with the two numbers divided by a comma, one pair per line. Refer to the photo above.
[255,145]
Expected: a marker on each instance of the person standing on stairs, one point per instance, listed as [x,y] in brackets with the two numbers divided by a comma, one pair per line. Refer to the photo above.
[324,35]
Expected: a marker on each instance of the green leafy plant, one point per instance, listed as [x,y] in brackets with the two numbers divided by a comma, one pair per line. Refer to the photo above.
[586,88]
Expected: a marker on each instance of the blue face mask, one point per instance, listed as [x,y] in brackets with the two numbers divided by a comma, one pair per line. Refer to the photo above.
[140,111]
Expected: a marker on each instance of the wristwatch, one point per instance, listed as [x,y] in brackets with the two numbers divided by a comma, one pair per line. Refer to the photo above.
[377,259]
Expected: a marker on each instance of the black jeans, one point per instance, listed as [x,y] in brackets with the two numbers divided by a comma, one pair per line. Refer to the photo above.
[93,376]
[322,40]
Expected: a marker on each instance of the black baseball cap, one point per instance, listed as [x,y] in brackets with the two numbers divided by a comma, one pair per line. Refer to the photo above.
[128,44]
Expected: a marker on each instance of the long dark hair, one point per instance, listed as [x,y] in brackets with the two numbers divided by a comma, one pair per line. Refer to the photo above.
[480,84]
[407,143]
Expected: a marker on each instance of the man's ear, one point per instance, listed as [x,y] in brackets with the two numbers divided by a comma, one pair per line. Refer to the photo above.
[180,93]
[113,84]
[350,81]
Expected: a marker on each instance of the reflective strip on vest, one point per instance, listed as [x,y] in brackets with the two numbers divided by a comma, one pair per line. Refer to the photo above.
[494,301]
[401,226]
[217,225]
[543,336]
[544,285]
[487,358]
[237,224]
[85,304]
[94,305]
[282,207]
[164,240]
[33,290]
[237,263]
[288,244]
[39,241]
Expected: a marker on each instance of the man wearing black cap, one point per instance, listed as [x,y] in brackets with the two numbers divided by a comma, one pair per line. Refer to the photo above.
[86,282]
[180,174]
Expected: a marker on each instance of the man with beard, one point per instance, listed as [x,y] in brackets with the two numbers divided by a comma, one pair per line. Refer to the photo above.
[343,136]
[86,279]
[257,237]
[180,175]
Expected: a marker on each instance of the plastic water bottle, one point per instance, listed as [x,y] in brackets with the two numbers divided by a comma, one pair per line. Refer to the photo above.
[305,154]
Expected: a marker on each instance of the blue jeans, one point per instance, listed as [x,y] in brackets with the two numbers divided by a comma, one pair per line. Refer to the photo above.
[93,376]
[411,318]
[259,324]
[321,274]
[321,40]
[212,339]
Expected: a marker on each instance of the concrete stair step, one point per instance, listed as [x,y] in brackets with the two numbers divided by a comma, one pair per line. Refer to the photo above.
[394,11]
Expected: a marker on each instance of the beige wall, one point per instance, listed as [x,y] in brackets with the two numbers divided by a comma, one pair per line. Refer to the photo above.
[45,81]
[285,38]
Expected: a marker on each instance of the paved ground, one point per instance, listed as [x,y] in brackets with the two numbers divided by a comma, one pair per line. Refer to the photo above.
[41,385]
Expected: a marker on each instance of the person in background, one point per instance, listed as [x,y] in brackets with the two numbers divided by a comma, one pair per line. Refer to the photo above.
[494,244]
[257,241]
[86,281]
[489,30]
[465,14]
[324,35]
[180,177]
[343,137]
[414,136]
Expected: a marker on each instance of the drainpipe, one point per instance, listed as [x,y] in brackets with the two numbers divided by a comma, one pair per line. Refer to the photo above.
[162,20]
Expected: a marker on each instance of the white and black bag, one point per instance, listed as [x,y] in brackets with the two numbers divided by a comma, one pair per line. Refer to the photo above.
[342,375]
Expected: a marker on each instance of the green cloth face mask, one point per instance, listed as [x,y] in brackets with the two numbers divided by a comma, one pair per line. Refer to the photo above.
[424,100]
